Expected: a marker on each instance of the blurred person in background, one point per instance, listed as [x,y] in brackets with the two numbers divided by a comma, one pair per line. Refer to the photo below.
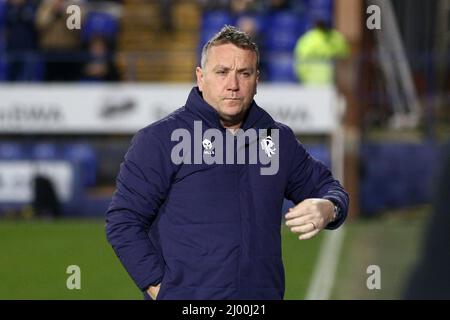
[21,41]
[316,51]
[60,45]
[199,231]
[46,203]
[100,65]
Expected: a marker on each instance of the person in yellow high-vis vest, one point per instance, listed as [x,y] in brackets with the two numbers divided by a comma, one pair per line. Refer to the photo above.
[315,53]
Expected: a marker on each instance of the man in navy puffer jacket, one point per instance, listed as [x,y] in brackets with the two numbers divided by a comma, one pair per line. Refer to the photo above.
[197,210]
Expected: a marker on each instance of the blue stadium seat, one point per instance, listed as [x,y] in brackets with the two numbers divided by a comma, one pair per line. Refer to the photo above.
[288,21]
[281,42]
[280,68]
[283,30]
[33,69]
[12,151]
[100,23]
[212,22]
[284,20]
[45,151]
[216,19]
[320,9]
[85,157]
[36,68]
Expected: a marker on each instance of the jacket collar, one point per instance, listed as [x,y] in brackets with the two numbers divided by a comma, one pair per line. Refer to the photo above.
[256,117]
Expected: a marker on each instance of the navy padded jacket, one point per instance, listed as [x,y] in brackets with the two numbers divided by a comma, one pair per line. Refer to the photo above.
[210,231]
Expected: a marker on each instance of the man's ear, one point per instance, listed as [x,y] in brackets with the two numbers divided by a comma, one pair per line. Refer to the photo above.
[199,74]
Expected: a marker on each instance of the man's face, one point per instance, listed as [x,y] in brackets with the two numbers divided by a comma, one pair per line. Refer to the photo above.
[228,81]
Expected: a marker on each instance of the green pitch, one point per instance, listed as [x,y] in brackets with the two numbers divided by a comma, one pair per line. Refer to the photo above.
[34,256]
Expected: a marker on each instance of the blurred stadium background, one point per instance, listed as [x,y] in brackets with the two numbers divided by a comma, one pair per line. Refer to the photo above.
[70,101]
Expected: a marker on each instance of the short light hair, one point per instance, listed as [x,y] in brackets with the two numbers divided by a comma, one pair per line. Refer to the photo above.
[233,35]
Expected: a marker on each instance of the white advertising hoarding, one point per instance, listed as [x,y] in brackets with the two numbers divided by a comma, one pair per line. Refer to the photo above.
[125,108]
[16,179]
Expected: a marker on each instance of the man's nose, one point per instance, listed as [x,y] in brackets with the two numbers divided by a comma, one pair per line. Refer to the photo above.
[233,83]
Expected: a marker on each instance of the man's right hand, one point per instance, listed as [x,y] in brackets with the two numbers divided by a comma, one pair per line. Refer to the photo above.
[153,291]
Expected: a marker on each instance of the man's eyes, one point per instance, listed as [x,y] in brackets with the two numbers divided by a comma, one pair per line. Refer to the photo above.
[223,72]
